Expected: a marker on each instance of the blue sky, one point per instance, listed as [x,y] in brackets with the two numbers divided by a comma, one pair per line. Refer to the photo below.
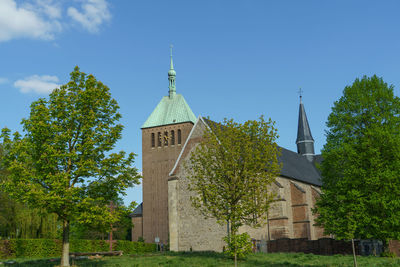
[234,59]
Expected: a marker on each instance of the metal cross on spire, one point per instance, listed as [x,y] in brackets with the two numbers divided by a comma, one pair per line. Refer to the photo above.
[300,93]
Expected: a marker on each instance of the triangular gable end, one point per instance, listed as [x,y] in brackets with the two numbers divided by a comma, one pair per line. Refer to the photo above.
[185,146]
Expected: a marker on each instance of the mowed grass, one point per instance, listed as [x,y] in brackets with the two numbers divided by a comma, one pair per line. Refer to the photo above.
[210,259]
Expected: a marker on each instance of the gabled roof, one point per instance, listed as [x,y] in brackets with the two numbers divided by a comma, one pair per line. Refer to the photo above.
[138,212]
[294,165]
[171,110]
[298,167]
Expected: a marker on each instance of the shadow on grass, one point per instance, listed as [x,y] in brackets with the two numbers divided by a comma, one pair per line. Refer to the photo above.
[56,262]
[213,259]
[200,254]
[256,262]
[248,262]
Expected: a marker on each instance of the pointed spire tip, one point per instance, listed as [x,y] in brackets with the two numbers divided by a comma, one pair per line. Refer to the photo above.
[171,77]
[172,62]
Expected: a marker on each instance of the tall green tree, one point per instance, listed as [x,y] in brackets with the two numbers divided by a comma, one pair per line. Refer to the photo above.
[361,164]
[231,171]
[17,220]
[64,163]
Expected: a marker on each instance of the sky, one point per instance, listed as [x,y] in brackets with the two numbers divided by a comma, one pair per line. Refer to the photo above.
[233,59]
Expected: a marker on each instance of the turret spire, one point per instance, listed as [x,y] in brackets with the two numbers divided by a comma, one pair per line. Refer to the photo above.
[304,141]
[171,78]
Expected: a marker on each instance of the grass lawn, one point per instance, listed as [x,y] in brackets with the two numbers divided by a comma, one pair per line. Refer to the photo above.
[197,259]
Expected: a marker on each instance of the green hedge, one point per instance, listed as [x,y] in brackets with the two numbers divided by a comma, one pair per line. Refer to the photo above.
[42,248]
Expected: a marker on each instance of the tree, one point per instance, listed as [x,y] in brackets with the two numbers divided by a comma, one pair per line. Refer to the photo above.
[122,226]
[361,164]
[231,171]
[17,220]
[64,163]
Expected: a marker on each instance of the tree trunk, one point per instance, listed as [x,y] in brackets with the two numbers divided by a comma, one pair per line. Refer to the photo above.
[385,244]
[354,253]
[233,233]
[65,245]
[228,231]
[111,239]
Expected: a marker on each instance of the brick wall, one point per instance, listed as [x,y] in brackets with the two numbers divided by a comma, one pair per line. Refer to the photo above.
[394,246]
[137,230]
[323,246]
[158,161]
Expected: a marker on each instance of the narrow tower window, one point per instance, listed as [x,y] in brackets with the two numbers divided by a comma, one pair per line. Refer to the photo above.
[172,138]
[159,138]
[165,138]
[179,137]
[153,140]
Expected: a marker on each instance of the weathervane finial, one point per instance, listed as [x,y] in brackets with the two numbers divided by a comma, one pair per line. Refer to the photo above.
[171,77]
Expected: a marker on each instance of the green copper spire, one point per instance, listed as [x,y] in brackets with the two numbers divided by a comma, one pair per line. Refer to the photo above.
[172,109]
[171,79]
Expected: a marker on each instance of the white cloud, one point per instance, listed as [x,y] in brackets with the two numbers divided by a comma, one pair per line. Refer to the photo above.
[34,20]
[38,84]
[93,14]
[43,19]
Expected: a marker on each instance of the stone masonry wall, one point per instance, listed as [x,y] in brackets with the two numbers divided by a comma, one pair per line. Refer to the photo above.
[188,228]
[290,215]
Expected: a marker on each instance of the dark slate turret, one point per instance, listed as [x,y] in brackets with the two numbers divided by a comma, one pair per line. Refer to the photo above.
[304,141]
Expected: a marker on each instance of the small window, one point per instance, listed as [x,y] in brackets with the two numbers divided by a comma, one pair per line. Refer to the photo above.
[179,137]
[165,138]
[159,138]
[153,140]
[172,137]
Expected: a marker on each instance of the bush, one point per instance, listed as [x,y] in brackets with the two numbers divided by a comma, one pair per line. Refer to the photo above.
[239,243]
[127,247]
[148,247]
[81,245]
[42,248]
[388,254]
[38,248]
[6,249]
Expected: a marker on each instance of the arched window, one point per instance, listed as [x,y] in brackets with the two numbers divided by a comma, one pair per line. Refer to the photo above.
[165,138]
[179,137]
[172,137]
[153,140]
[159,138]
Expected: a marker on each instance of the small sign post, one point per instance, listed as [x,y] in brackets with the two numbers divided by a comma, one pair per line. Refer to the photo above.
[157,241]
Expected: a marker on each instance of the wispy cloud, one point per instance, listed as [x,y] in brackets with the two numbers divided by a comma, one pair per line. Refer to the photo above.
[93,13]
[50,8]
[44,19]
[38,84]
[3,80]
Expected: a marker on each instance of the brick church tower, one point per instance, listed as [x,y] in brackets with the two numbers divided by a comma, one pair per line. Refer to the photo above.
[163,135]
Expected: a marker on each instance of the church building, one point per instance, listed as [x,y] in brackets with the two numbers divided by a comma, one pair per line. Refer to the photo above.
[169,135]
